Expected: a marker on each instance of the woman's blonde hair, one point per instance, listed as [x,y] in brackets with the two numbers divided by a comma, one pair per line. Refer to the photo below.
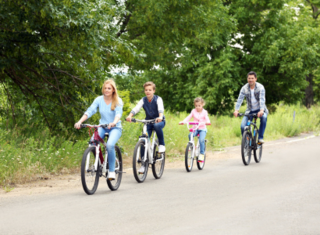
[115,100]
[199,99]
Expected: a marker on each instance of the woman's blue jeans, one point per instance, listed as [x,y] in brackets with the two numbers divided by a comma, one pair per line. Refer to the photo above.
[114,136]
[263,123]
[202,136]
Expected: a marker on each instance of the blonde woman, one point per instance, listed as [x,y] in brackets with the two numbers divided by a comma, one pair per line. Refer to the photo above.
[110,108]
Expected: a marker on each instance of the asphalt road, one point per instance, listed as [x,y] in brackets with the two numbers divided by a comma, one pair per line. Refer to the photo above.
[280,195]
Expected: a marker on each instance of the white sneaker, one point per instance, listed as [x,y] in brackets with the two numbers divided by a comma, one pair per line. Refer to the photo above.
[111,175]
[141,170]
[201,158]
[162,148]
[261,141]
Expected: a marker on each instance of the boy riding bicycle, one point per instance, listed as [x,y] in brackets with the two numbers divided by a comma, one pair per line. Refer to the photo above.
[153,106]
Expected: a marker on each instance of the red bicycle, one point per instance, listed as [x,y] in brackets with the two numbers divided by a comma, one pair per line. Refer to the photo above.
[94,166]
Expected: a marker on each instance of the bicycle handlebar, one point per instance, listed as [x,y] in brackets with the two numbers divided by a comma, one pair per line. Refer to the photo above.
[195,123]
[144,121]
[247,115]
[94,126]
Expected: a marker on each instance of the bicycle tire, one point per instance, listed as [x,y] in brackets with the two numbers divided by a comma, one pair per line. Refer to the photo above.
[158,166]
[136,163]
[188,157]
[258,153]
[115,184]
[200,165]
[245,148]
[89,174]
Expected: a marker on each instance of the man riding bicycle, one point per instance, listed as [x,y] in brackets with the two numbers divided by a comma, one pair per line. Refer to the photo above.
[256,103]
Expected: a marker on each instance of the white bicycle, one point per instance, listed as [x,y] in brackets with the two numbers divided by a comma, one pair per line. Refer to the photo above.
[149,157]
[193,150]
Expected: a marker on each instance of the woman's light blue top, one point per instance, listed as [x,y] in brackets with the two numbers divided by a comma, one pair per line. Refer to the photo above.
[107,115]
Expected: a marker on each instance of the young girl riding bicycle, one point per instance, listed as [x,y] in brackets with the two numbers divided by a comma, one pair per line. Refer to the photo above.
[199,114]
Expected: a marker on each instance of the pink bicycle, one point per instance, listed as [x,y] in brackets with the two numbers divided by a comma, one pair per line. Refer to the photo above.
[193,150]
[93,165]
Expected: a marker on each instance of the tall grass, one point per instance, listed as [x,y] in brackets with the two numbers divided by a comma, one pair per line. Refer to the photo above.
[225,130]
[27,153]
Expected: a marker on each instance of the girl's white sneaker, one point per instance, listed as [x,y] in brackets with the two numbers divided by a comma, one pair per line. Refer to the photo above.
[201,158]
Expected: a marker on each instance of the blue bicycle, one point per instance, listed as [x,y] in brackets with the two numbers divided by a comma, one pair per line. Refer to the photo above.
[249,140]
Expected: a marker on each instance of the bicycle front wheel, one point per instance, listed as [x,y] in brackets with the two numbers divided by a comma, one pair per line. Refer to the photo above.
[188,157]
[258,153]
[246,148]
[115,184]
[158,165]
[89,176]
[140,168]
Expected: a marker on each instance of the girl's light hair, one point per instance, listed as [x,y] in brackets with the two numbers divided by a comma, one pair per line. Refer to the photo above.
[115,100]
[199,99]
[150,84]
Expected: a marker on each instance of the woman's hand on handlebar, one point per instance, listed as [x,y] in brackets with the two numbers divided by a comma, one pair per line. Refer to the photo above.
[77,125]
[112,124]
[235,113]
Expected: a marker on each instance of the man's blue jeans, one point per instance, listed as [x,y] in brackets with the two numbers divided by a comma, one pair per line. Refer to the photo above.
[114,135]
[202,136]
[263,123]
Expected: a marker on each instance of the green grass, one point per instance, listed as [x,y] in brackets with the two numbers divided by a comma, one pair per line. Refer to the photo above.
[225,130]
[28,153]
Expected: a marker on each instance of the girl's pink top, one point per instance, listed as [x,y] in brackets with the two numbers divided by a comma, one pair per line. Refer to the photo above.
[198,117]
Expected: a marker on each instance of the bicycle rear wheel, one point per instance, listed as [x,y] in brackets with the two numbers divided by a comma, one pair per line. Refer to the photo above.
[246,148]
[137,162]
[258,153]
[89,176]
[159,161]
[188,157]
[115,184]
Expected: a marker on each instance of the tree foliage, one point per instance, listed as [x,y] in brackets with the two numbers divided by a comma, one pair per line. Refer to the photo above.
[55,55]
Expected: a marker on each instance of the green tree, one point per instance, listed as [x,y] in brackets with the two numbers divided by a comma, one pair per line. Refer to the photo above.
[54,55]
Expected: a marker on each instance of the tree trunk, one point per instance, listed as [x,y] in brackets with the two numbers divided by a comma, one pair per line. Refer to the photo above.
[309,91]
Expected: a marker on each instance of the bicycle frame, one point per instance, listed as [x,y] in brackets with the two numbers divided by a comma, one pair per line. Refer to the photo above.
[148,153]
[96,143]
[192,130]
[252,128]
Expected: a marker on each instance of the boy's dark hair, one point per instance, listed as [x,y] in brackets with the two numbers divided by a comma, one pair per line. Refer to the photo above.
[252,73]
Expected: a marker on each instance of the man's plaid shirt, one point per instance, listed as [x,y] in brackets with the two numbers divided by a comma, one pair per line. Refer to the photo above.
[259,93]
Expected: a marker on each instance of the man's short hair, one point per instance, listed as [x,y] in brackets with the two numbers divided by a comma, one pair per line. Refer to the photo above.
[252,73]
[150,84]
